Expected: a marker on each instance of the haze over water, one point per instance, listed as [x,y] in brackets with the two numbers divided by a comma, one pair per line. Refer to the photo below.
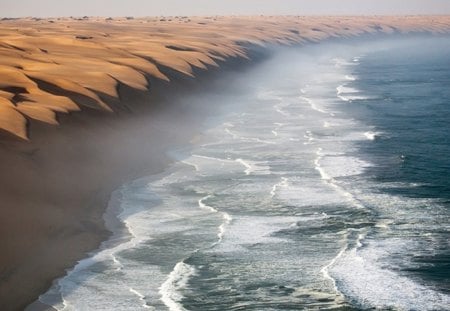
[321,184]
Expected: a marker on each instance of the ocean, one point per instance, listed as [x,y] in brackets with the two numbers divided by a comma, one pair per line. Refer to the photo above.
[321,183]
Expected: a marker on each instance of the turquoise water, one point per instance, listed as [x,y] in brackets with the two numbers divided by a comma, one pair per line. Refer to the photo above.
[321,183]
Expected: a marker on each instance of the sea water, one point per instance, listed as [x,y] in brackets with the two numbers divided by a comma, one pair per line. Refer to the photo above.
[322,184]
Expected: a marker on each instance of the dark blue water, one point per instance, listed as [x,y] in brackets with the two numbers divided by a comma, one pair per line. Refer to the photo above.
[322,183]
[411,108]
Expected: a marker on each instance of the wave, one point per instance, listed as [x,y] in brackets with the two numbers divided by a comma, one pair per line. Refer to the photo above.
[248,139]
[176,281]
[361,274]
[226,217]
[253,167]
[120,241]
[350,78]
[342,89]
[141,298]
[351,166]
[279,108]
[341,62]
[313,105]
[346,93]
[227,220]
[284,182]
[254,230]
[309,136]
[337,165]
[372,135]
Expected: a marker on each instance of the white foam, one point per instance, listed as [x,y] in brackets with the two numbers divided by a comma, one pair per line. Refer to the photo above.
[253,167]
[346,93]
[176,281]
[350,78]
[204,206]
[248,139]
[352,98]
[251,230]
[303,192]
[279,109]
[309,136]
[313,104]
[249,167]
[227,130]
[222,228]
[141,298]
[117,262]
[326,269]
[208,164]
[372,135]
[226,217]
[361,273]
[326,273]
[342,89]
[339,166]
[195,166]
[340,62]
[282,183]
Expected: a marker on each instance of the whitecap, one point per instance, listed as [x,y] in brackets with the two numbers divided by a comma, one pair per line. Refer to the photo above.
[361,273]
[372,135]
[176,281]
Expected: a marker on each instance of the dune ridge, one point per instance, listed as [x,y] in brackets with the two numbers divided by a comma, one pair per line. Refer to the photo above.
[58,66]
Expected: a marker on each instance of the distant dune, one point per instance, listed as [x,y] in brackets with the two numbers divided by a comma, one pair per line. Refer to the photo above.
[84,107]
[51,66]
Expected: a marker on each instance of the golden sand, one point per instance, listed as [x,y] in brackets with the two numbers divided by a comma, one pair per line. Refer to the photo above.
[55,66]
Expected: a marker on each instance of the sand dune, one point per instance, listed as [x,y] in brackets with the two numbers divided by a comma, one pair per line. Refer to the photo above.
[85,59]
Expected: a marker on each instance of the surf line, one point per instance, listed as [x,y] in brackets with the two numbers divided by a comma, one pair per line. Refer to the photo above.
[248,139]
[331,181]
[248,167]
[313,106]
[282,183]
[355,202]
[225,216]
[140,297]
[182,271]
[358,244]
[177,280]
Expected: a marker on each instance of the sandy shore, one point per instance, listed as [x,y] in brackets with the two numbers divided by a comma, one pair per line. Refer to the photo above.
[56,186]
[88,104]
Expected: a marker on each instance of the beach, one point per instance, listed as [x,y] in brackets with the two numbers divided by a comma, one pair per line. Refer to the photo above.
[88,104]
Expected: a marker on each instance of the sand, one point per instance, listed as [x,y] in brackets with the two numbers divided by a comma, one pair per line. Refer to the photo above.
[81,109]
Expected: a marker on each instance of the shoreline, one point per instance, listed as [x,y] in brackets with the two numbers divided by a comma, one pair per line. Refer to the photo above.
[152,160]
[70,185]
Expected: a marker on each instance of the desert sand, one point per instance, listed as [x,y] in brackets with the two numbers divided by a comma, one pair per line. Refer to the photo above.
[77,94]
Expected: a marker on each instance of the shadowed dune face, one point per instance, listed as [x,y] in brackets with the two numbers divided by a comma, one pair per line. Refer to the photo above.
[61,65]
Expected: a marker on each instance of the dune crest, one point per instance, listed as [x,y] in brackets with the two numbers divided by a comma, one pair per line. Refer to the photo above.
[50,66]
